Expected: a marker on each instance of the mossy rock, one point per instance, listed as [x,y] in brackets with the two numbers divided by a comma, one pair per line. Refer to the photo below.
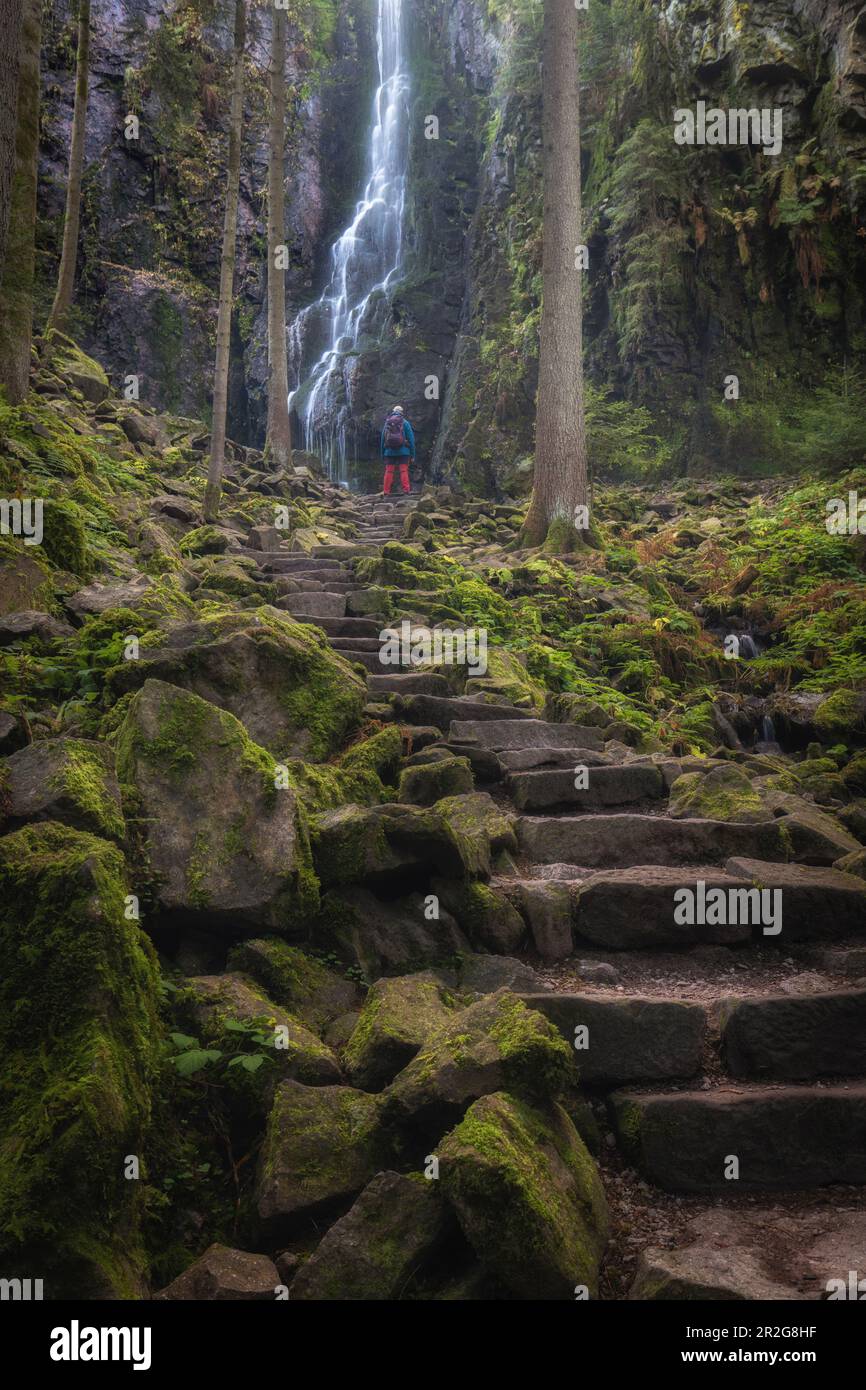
[425,784]
[322,1144]
[218,839]
[481,826]
[491,922]
[495,1043]
[80,1047]
[854,775]
[296,697]
[221,1000]
[296,980]
[364,775]
[398,1016]
[528,1196]
[722,794]
[70,780]
[841,715]
[204,540]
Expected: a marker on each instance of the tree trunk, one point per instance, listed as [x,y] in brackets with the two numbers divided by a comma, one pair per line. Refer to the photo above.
[10,48]
[278,446]
[560,483]
[227,274]
[66,275]
[16,286]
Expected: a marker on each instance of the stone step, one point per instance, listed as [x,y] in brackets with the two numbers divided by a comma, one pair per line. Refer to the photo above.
[620,840]
[627,1041]
[369,660]
[799,1037]
[344,627]
[605,786]
[357,644]
[411,683]
[778,1137]
[349,551]
[522,730]
[314,605]
[324,574]
[529,759]
[647,906]
[428,709]
[291,560]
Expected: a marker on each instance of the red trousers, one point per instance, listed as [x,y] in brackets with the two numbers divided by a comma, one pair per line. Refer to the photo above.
[390,465]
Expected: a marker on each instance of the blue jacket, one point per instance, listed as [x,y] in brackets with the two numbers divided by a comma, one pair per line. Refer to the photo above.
[408,449]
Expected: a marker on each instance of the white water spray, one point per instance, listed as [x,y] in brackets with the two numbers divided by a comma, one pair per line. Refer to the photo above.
[324,338]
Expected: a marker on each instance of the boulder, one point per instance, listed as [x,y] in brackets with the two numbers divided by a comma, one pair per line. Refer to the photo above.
[222,1274]
[494,1043]
[16,627]
[71,780]
[80,1049]
[423,785]
[222,1000]
[389,938]
[527,1196]
[548,908]
[295,980]
[222,844]
[295,696]
[380,845]
[398,1017]
[99,598]
[485,914]
[704,1272]
[723,794]
[322,1145]
[481,827]
[480,974]
[379,1246]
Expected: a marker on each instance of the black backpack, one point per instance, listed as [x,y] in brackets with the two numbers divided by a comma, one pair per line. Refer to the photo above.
[394,436]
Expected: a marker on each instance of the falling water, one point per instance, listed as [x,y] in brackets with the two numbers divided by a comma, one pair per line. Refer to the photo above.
[324,338]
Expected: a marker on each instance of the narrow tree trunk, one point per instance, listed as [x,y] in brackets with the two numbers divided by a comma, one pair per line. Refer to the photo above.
[69,255]
[227,274]
[278,446]
[10,48]
[16,285]
[560,436]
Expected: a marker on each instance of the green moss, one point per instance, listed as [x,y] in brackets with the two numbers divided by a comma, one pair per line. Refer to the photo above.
[839,715]
[79,1042]
[83,779]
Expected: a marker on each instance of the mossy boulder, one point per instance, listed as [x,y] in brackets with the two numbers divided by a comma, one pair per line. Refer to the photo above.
[508,680]
[381,1245]
[295,980]
[491,922]
[223,1000]
[379,936]
[724,793]
[841,715]
[79,1054]
[204,540]
[71,780]
[382,844]
[493,1044]
[219,840]
[25,582]
[854,775]
[528,1197]
[430,782]
[322,1144]
[296,696]
[480,826]
[81,371]
[397,1018]
[365,774]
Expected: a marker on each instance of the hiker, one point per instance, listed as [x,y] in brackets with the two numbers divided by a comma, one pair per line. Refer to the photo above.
[398,442]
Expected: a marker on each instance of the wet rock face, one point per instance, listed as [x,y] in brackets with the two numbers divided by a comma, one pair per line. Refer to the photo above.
[151,223]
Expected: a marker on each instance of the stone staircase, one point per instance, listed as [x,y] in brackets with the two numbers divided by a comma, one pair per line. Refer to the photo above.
[725,1062]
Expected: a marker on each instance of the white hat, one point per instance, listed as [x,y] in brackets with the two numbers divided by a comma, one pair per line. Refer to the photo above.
[397,410]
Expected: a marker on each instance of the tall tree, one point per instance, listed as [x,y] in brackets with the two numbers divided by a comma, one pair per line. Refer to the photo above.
[560,483]
[227,273]
[10,47]
[16,284]
[69,254]
[278,445]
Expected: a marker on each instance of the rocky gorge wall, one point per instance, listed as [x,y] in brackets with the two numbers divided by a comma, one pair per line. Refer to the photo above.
[703,261]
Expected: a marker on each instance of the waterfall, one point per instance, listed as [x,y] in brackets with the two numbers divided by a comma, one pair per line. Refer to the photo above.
[325,336]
